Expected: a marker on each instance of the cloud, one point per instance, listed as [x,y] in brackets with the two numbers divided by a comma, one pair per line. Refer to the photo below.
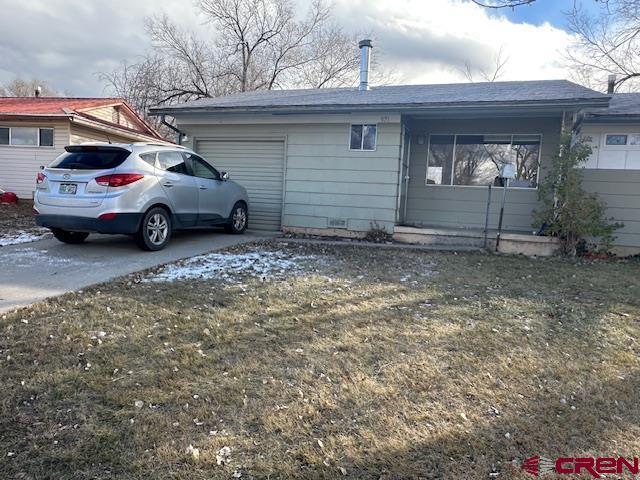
[66,42]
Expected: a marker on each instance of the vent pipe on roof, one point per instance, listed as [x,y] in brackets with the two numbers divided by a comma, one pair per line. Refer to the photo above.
[611,83]
[38,91]
[365,61]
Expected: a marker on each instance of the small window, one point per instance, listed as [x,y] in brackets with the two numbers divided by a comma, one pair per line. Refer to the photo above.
[46,137]
[4,136]
[172,162]
[150,158]
[363,137]
[616,139]
[24,136]
[201,168]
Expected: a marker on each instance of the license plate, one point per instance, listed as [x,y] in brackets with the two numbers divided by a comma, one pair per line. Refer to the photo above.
[68,188]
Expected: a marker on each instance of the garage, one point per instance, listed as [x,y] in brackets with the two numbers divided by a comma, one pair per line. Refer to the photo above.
[257,165]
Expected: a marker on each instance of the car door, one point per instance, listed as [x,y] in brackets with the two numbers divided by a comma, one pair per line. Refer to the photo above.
[179,186]
[212,199]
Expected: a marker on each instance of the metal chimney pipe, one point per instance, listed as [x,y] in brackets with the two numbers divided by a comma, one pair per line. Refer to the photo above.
[365,61]
[611,83]
[38,91]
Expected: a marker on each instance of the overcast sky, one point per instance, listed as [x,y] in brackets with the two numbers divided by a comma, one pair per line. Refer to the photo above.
[67,42]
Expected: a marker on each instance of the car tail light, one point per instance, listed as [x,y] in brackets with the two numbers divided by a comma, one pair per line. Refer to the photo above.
[40,178]
[118,179]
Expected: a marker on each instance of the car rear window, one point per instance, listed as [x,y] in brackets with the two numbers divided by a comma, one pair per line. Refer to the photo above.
[97,158]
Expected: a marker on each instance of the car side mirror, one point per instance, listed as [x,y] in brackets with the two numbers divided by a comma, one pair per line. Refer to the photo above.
[224,176]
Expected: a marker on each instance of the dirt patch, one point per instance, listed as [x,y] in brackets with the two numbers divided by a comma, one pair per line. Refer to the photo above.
[17,224]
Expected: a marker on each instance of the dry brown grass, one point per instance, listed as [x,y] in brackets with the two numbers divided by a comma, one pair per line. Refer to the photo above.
[379,364]
[15,217]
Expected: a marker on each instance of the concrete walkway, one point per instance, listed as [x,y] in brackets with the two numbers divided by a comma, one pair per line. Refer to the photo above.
[30,272]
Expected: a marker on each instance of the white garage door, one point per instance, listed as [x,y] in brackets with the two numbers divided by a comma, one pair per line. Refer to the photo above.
[259,167]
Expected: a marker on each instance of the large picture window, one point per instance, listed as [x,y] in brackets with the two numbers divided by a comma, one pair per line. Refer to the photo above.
[476,160]
[26,136]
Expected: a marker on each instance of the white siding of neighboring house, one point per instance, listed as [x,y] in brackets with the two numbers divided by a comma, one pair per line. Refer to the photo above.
[324,180]
[83,134]
[613,172]
[114,114]
[19,165]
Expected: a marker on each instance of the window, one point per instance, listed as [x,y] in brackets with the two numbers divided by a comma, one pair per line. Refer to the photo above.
[46,137]
[363,137]
[172,162]
[201,168]
[616,139]
[476,160]
[26,136]
[91,158]
[150,158]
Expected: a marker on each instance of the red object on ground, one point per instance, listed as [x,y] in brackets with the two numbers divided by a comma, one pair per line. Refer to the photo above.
[8,197]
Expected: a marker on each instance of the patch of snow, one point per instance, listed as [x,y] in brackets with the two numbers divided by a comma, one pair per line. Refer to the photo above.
[29,256]
[22,237]
[228,266]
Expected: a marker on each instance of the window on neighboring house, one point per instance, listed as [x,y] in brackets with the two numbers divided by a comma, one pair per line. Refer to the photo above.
[46,137]
[616,139]
[476,160]
[26,136]
[363,137]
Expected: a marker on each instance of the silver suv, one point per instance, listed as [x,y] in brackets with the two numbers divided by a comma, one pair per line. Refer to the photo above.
[141,189]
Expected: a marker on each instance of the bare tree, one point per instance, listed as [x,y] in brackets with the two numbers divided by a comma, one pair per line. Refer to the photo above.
[256,44]
[607,43]
[21,87]
[491,74]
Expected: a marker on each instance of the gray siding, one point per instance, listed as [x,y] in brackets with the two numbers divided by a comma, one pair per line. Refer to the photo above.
[465,207]
[620,190]
[324,180]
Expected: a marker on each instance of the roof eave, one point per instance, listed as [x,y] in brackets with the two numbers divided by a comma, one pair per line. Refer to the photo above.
[612,118]
[577,103]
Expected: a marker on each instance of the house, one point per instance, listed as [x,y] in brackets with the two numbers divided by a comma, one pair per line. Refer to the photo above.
[35,130]
[411,158]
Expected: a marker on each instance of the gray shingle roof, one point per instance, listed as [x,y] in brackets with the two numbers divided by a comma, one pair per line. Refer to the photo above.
[403,96]
[621,105]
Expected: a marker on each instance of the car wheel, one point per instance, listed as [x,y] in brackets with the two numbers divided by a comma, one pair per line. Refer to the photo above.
[238,220]
[155,230]
[66,236]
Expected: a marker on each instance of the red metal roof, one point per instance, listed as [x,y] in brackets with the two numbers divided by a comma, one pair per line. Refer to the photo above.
[51,105]
[13,107]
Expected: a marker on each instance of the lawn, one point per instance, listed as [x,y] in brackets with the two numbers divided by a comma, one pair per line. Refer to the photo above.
[326,362]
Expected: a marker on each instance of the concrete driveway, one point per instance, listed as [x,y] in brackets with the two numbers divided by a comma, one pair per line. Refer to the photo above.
[34,271]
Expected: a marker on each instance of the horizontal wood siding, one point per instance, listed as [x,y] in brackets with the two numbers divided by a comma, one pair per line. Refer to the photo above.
[82,135]
[324,180]
[465,207]
[19,165]
[620,190]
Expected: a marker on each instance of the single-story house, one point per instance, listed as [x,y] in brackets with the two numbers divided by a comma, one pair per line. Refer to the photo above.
[413,157]
[35,130]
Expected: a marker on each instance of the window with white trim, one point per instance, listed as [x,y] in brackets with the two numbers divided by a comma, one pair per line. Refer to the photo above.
[26,136]
[363,137]
[476,160]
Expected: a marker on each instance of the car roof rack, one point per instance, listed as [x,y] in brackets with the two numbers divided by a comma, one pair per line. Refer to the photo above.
[154,144]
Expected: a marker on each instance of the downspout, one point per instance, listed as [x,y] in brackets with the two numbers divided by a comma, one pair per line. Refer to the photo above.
[406,179]
[400,166]
[179,133]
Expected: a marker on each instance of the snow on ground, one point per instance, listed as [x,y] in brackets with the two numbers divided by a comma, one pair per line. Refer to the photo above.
[229,266]
[22,237]
[29,257]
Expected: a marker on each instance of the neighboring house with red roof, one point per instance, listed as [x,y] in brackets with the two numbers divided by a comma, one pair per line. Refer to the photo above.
[35,130]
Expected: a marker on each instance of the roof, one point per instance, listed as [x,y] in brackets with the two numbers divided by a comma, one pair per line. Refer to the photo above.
[44,107]
[622,107]
[397,97]
[51,105]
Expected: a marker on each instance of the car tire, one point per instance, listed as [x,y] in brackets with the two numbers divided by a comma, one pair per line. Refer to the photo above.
[238,220]
[155,230]
[65,236]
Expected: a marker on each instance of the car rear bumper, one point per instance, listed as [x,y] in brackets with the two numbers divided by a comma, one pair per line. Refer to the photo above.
[126,223]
